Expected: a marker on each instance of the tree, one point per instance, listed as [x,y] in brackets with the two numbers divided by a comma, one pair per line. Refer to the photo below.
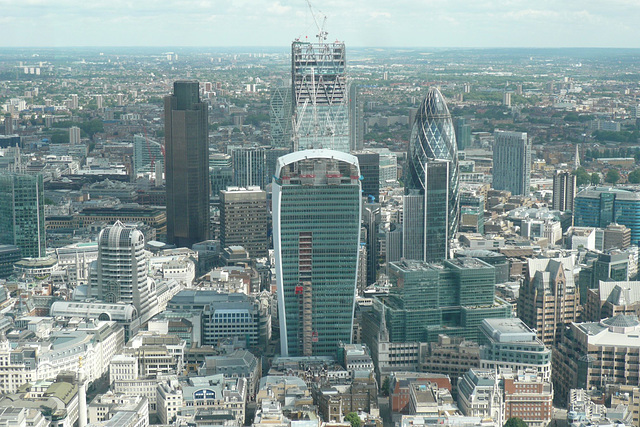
[515,422]
[595,178]
[386,385]
[634,177]
[582,176]
[354,419]
[613,176]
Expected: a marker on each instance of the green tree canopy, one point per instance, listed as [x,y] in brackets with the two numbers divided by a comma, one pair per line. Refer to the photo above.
[595,178]
[634,177]
[354,419]
[515,422]
[613,176]
[582,176]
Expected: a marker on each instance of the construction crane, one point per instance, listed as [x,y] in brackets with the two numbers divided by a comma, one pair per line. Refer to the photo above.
[322,34]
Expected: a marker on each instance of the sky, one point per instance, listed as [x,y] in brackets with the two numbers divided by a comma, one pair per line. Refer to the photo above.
[397,23]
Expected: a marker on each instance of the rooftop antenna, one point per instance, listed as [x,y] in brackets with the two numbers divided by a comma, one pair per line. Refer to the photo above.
[322,34]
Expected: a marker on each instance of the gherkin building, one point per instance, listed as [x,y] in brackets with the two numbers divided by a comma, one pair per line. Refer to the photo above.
[433,139]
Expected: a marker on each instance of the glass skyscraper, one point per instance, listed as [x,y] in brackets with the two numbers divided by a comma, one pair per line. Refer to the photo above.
[431,204]
[512,162]
[280,112]
[601,206]
[316,234]
[319,96]
[187,165]
[22,213]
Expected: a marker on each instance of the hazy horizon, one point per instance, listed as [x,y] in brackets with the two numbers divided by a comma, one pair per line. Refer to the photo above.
[359,23]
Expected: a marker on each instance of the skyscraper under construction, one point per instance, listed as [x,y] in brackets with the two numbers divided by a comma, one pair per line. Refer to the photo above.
[320,97]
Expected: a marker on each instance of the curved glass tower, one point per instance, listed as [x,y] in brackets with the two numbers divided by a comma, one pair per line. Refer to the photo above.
[432,151]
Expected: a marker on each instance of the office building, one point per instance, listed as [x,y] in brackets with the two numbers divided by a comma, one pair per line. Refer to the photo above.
[594,355]
[224,316]
[146,153]
[616,236]
[471,212]
[243,220]
[425,302]
[431,182]
[249,166]
[221,171]
[463,133]
[612,266]
[612,298]
[9,255]
[371,221]
[600,206]
[564,190]
[280,117]
[8,124]
[320,103]
[74,135]
[511,344]
[316,233]
[121,272]
[187,165]
[356,119]
[549,299]
[370,171]
[22,213]
[512,162]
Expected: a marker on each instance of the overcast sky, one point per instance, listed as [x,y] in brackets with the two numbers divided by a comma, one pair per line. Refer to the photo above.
[415,23]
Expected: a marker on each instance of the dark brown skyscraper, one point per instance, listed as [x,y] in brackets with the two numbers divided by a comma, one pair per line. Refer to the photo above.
[187,165]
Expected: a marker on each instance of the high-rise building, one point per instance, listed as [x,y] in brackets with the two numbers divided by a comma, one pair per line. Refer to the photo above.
[146,153]
[316,233]
[99,101]
[371,222]
[280,117]
[243,219]
[249,166]
[356,119]
[8,124]
[463,133]
[600,206]
[121,272]
[221,170]
[564,190]
[370,171]
[512,162]
[549,299]
[74,135]
[187,165]
[319,96]
[431,182]
[22,213]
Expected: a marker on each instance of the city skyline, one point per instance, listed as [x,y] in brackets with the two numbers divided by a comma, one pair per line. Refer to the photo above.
[206,23]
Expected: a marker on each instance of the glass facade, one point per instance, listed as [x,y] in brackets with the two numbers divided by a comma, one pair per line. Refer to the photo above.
[319,96]
[430,299]
[601,206]
[316,226]
[433,139]
[22,213]
[187,165]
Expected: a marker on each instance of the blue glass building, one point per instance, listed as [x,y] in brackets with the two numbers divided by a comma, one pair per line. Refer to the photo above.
[601,206]
[316,234]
